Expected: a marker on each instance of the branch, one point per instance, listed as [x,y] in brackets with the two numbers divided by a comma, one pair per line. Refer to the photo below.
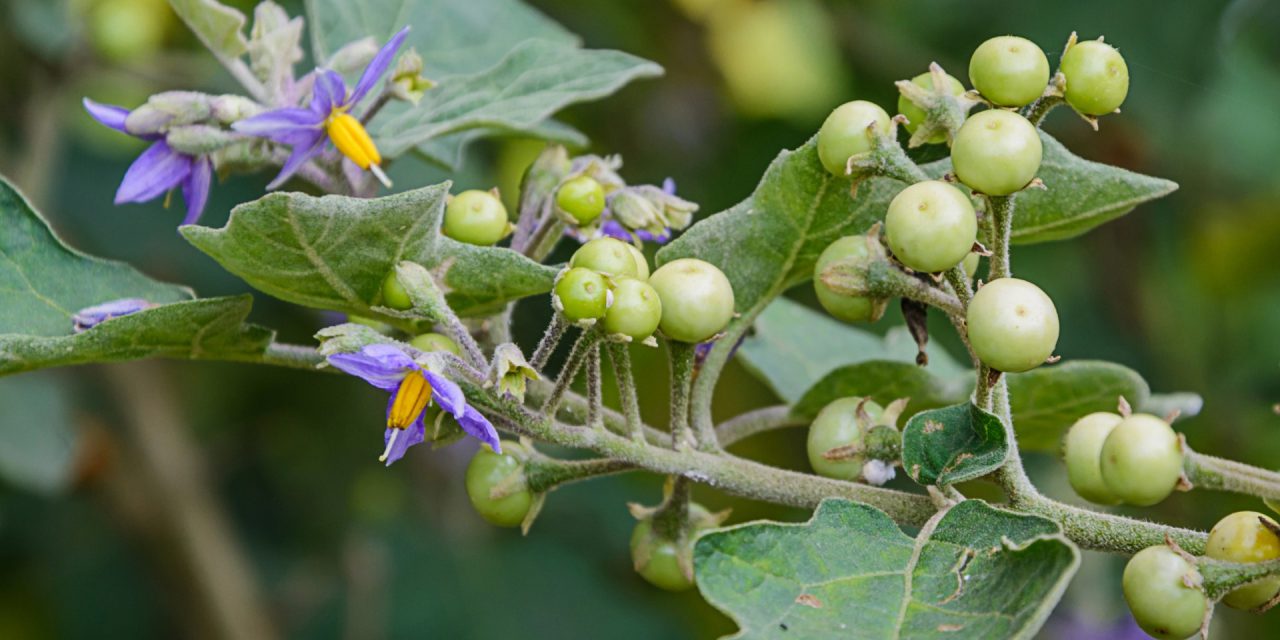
[750,423]
[1219,474]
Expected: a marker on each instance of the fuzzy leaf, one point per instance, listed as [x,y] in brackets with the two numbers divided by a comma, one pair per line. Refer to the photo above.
[528,86]
[850,572]
[209,327]
[219,27]
[810,359]
[952,444]
[1047,400]
[334,252]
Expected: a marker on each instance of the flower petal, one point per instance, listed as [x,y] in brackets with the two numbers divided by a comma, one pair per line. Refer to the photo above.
[378,66]
[447,394]
[477,426]
[303,150]
[107,114]
[280,125]
[381,365]
[156,171]
[329,92]
[669,186]
[195,190]
[90,317]
[415,434]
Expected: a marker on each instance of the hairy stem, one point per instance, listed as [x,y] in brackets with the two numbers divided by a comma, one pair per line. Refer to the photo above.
[681,360]
[586,343]
[1221,578]
[1001,211]
[1219,474]
[886,280]
[620,356]
[1036,111]
[550,340]
[544,475]
[595,394]
[748,424]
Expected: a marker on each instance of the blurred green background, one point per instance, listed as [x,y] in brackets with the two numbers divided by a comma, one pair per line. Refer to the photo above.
[219,500]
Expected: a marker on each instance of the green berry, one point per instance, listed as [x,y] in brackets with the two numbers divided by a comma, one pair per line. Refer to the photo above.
[915,115]
[931,226]
[697,299]
[1013,325]
[658,560]
[582,198]
[840,306]
[971,265]
[1082,451]
[372,323]
[476,217]
[1097,77]
[1155,586]
[1141,460]
[583,294]
[435,342]
[489,470]
[837,426]
[636,309]
[394,295]
[996,152]
[1009,71]
[1242,537]
[642,263]
[609,256]
[846,133]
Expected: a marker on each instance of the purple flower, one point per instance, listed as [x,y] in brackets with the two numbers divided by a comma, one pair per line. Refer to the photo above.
[412,389]
[90,317]
[159,169]
[328,117]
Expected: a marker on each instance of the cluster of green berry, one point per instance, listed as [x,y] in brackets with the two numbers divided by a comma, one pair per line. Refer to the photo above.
[1164,588]
[1114,459]
[608,280]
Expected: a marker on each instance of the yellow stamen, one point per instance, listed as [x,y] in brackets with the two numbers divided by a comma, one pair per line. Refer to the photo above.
[410,401]
[350,137]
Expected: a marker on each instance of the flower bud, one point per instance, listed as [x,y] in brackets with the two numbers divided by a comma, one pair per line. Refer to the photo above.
[510,371]
[198,139]
[353,56]
[407,82]
[230,108]
[168,109]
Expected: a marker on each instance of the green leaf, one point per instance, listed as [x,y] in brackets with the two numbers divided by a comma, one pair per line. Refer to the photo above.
[447,151]
[453,36]
[43,282]
[952,444]
[850,572]
[810,359]
[1184,403]
[334,252]
[1047,400]
[37,438]
[529,85]
[219,27]
[205,328]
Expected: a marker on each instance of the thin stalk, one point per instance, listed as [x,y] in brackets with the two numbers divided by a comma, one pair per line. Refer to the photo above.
[1219,474]
[550,340]
[586,342]
[1001,211]
[681,361]
[595,394]
[1036,111]
[748,424]
[620,356]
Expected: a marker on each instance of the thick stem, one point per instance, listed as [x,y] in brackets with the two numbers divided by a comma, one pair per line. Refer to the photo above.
[1221,578]
[550,340]
[671,517]
[620,356]
[748,424]
[1106,532]
[960,281]
[682,360]
[543,476]
[885,280]
[1219,474]
[1001,211]
[586,343]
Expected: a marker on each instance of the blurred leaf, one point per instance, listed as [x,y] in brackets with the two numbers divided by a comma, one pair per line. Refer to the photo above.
[37,441]
[952,444]
[1047,400]
[447,151]
[204,328]
[219,27]
[534,81]
[43,282]
[1185,403]
[453,36]
[802,355]
[334,252]
[850,572]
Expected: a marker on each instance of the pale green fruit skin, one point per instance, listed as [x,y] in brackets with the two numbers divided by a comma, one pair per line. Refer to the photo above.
[435,342]
[485,471]
[394,295]
[697,299]
[844,133]
[642,263]
[1009,71]
[582,198]
[843,307]
[1013,325]
[931,226]
[1241,537]
[837,426]
[1082,451]
[915,115]
[609,256]
[663,567]
[1141,460]
[476,217]
[970,263]
[1097,77]
[636,309]
[583,294]
[1161,603]
[996,152]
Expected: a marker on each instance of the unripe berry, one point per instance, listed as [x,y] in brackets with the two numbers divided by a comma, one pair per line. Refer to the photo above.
[1155,585]
[849,130]
[435,342]
[849,308]
[582,198]
[915,115]
[636,310]
[1013,325]
[1243,537]
[488,471]
[581,294]
[931,226]
[394,295]
[1141,460]
[697,299]
[1097,77]
[476,217]
[996,152]
[837,425]
[1009,71]
[1082,451]
[609,256]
